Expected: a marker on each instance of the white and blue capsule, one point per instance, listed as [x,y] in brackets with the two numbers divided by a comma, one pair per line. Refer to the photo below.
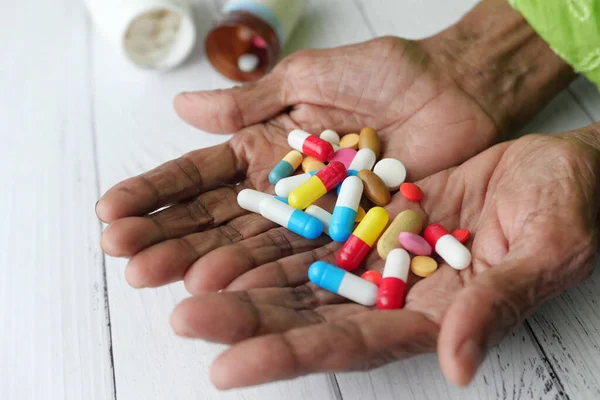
[285,167]
[342,282]
[295,220]
[346,206]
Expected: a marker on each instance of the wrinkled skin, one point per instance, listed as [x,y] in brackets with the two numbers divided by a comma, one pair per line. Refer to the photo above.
[517,198]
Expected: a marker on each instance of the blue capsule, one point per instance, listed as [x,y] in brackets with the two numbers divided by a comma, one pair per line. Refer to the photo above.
[285,167]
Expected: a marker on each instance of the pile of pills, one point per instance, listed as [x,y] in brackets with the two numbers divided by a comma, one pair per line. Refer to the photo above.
[349,167]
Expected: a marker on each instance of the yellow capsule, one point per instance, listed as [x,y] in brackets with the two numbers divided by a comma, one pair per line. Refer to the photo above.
[310,164]
[360,214]
[423,266]
[372,225]
[294,157]
[307,193]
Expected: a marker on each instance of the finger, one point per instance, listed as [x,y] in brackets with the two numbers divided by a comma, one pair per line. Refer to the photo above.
[229,110]
[360,341]
[168,261]
[287,272]
[219,268]
[182,178]
[496,302]
[317,118]
[128,236]
[234,316]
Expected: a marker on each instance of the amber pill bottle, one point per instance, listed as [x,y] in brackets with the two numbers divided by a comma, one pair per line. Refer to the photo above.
[246,41]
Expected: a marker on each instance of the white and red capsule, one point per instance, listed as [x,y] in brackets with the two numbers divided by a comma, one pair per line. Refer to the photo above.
[453,252]
[392,288]
[310,145]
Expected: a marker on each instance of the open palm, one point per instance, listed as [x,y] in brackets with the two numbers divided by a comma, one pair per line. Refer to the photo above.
[531,205]
[395,86]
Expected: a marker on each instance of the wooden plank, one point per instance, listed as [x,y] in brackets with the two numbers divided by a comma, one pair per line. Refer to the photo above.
[588,96]
[136,130]
[54,341]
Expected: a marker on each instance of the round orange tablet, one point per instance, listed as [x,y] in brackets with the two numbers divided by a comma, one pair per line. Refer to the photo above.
[462,235]
[372,276]
[411,192]
[349,141]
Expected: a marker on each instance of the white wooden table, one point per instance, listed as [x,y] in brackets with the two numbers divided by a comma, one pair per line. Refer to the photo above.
[75,119]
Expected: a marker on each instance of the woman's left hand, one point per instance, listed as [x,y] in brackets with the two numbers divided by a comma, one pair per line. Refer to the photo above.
[531,205]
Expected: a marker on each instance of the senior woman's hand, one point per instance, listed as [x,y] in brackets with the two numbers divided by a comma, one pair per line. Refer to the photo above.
[532,207]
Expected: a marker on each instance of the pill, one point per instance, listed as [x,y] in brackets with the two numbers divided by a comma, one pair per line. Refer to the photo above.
[331,136]
[319,184]
[414,243]
[345,156]
[248,62]
[349,141]
[287,216]
[259,42]
[285,167]
[372,276]
[462,235]
[360,242]
[406,221]
[285,186]
[310,164]
[345,284]
[411,192]
[392,288]
[320,214]
[447,246]
[310,145]
[423,266]
[364,159]
[369,139]
[360,214]
[375,189]
[282,199]
[391,172]
[250,199]
[346,206]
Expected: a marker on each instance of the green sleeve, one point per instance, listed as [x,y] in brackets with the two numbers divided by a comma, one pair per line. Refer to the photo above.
[570,27]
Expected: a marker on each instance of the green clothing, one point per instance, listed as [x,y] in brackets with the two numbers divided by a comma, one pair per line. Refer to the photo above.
[570,27]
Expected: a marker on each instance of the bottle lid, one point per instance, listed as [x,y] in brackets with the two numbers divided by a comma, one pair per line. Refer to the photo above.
[153,34]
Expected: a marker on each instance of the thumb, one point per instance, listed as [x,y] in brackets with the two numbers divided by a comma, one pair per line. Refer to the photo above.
[228,110]
[495,303]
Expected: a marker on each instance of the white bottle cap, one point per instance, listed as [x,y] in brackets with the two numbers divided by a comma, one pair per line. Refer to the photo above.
[154,34]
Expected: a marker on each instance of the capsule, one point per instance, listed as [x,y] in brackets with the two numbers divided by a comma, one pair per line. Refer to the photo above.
[285,186]
[285,167]
[317,186]
[310,145]
[250,199]
[331,136]
[364,159]
[282,199]
[321,215]
[392,288]
[346,207]
[295,220]
[360,242]
[345,284]
[447,246]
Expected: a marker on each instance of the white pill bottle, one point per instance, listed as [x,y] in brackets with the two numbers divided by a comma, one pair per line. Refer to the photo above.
[246,41]
[152,34]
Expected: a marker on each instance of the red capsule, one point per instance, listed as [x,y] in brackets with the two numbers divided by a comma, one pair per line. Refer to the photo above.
[352,253]
[392,289]
[332,175]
